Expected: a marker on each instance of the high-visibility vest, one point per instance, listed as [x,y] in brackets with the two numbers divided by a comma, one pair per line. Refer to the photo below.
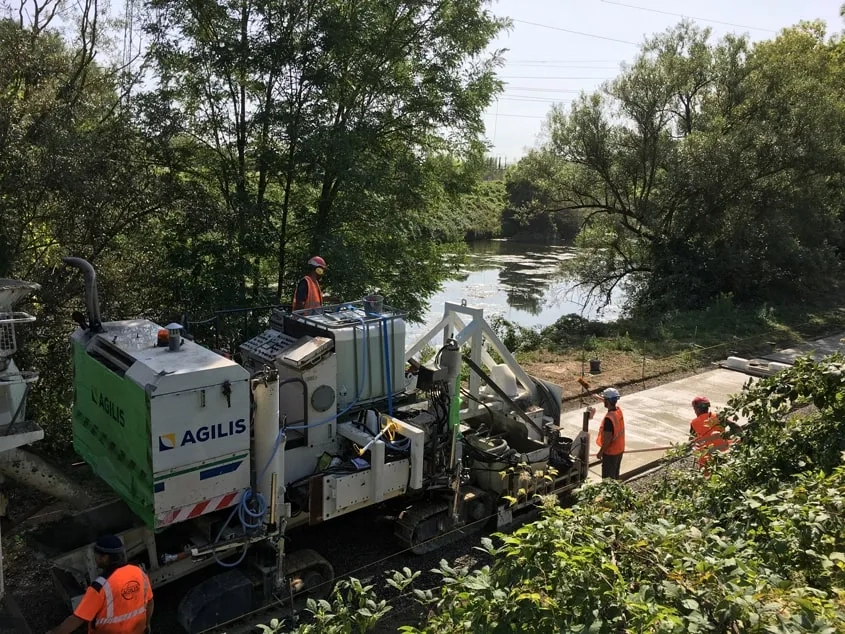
[314,298]
[617,442]
[708,435]
[125,594]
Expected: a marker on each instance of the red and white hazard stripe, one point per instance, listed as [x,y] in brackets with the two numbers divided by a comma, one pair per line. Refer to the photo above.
[195,510]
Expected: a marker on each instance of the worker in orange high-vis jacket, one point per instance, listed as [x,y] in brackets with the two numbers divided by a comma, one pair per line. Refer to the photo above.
[611,436]
[120,601]
[706,430]
[308,294]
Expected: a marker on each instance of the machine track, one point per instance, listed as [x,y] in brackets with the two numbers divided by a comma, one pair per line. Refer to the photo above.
[428,526]
[310,577]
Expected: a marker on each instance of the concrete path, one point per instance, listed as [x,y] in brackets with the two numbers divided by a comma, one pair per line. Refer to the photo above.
[660,416]
[818,349]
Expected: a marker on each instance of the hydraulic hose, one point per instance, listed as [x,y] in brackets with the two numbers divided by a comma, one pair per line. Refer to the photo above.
[387,365]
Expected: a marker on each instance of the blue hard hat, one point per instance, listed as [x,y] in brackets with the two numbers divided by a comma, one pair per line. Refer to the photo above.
[108,545]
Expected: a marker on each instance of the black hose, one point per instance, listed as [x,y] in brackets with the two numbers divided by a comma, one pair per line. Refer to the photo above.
[547,395]
[503,395]
[480,402]
[18,409]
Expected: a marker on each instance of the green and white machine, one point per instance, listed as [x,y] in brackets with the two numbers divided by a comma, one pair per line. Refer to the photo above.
[326,414]
[167,428]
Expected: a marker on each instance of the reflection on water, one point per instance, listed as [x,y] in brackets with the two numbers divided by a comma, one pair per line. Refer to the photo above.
[522,282]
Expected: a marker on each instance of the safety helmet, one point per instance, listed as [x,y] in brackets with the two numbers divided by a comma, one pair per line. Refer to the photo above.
[108,545]
[610,394]
[700,402]
[317,261]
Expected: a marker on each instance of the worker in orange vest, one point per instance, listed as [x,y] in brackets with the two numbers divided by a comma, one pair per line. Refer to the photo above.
[120,601]
[611,436]
[706,430]
[308,294]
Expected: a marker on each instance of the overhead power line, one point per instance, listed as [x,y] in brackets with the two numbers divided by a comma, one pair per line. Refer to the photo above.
[558,28]
[547,77]
[559,67]
[527,99]
[683,15]
[535,89]
[516,116]
[563,61]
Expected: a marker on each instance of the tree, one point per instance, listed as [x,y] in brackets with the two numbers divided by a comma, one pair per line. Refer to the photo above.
[535,206]
[707,169]
[74,180]
[313,120]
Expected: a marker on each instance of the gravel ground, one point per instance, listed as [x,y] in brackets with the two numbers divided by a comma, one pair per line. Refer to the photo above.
[360,545]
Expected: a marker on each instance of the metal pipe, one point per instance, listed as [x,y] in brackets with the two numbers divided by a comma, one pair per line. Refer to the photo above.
[273,485]
[585,446]
[92,299]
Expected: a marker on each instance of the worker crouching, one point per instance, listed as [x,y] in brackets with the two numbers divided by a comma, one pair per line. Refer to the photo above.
[611,436]
[120,601]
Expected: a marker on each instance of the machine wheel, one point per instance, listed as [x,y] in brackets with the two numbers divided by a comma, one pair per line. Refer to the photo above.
[429,526]
[310,576]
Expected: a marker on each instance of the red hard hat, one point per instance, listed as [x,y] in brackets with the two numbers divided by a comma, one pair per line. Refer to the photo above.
[317,261]
[700,400]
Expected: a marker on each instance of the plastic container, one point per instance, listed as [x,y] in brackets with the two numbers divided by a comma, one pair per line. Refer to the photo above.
[374,305]
[487,474]
[505,379]
[350,338]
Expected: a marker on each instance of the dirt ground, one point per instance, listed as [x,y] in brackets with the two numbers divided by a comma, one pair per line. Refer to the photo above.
[624,370]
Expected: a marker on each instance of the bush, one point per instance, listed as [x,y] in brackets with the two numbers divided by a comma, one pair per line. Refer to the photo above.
[758,547]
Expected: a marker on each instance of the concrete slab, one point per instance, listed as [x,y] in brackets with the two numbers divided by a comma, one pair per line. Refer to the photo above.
[660,416]
[818,348]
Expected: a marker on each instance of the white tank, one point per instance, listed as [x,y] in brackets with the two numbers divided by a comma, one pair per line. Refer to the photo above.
[360,342]
[268,457]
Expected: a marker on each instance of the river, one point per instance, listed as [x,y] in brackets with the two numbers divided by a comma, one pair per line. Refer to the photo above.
[522,282]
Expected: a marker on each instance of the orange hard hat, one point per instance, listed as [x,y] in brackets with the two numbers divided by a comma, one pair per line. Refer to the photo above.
[701,401]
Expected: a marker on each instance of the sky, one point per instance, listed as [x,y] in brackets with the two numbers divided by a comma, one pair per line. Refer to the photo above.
[544,64]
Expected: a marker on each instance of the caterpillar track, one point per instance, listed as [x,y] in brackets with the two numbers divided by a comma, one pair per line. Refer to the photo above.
[310,577]
[428,526]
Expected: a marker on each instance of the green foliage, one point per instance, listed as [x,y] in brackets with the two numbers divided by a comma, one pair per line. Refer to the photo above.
[758,547]
[533,206]
[352,610]
[703,169]
[327,130]
[515,337]
[262,134]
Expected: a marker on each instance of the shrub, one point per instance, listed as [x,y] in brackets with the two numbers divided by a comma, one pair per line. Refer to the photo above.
[758,547]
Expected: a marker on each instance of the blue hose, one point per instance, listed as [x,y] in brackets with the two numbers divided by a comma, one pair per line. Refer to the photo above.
[251,520]
[387,365]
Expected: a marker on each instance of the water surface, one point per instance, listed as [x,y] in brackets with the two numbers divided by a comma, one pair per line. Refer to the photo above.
[523,282]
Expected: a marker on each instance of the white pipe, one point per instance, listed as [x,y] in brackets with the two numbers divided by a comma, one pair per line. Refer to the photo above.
[265,391]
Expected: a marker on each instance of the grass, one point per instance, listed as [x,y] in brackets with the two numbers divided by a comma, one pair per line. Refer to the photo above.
[634,351]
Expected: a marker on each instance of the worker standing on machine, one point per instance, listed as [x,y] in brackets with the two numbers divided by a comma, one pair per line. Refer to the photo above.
[120,601]
[308,294]
[706,430]
[611,436]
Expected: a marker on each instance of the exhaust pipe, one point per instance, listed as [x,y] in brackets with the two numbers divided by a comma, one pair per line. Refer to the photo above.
[92,299]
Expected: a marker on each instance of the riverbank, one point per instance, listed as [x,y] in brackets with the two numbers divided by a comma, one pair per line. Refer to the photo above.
[637,354]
